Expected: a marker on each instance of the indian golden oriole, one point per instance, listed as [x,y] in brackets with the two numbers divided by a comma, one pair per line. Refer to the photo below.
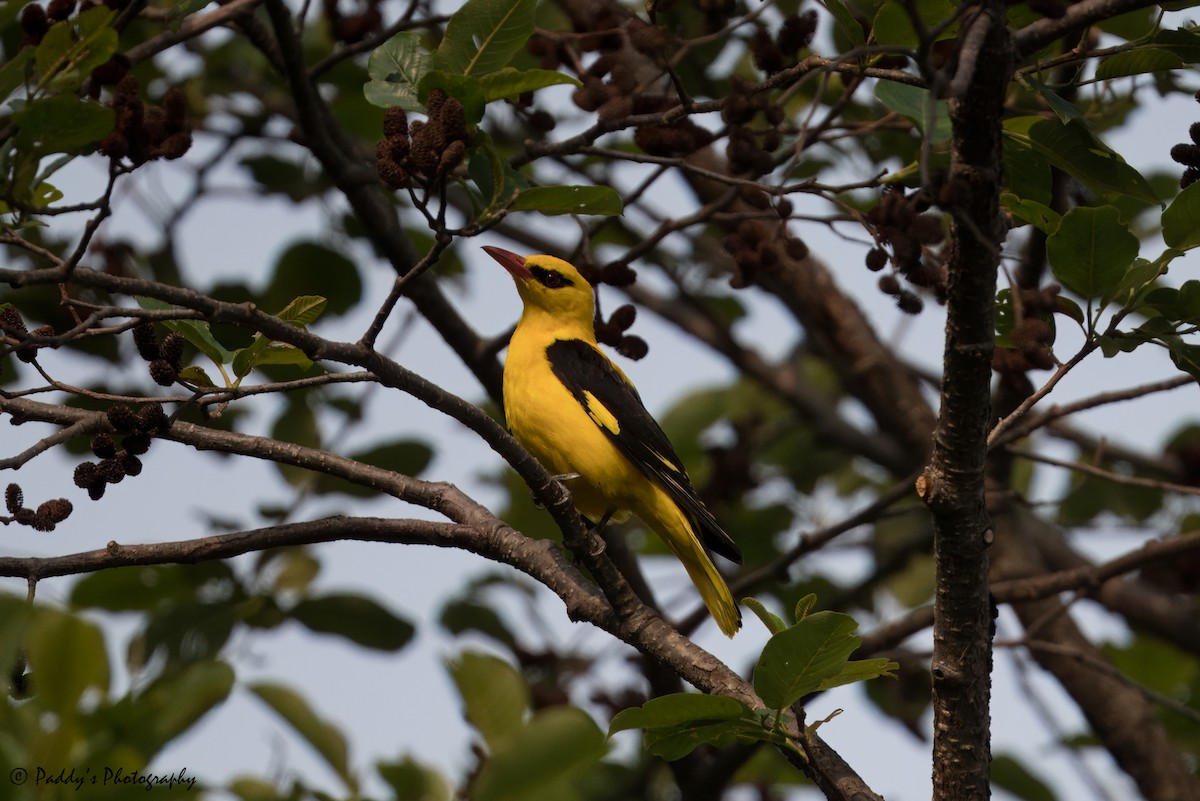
[574,410]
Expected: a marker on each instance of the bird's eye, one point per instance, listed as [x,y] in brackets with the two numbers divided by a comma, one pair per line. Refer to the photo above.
[551,279]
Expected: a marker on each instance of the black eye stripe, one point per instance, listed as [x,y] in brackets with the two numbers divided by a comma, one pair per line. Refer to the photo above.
[550,278]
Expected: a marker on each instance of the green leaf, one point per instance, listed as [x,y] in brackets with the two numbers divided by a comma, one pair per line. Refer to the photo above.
[283,176]
[674,725]
[1137,62]
[310,268]
[484,35]
[412,781]
[486,170]
[1076,151]
[1027,175]
[1011,775]
[71,49]
[195,332]
[1186,356]
[467,90]
[196,375]
[494,694]
[772,621]
[673,744]
[811,655]
[892,24]
[303,310]
[1181,220]
[264,351]
[355,617]
[1042,217]
[913,103]
[66,658]
[510,82]
[12,72]
[174,702]
[1091,250]
[541,761]
[846,21]
[325,739]
[62,124]
[669,711]
[1141,276]
[407,457]
[1184,43]
[599,200]
[1065,111]
[1177,305]
[396,68]
[297,424]
[465,615]
[300,312]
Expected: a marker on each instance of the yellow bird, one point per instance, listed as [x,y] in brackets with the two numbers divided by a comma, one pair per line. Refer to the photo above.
[574,410]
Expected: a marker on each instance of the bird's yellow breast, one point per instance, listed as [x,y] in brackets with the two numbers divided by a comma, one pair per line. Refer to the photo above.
[551,424]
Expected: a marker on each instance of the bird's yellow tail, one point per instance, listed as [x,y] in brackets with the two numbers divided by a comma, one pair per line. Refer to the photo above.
[680,535]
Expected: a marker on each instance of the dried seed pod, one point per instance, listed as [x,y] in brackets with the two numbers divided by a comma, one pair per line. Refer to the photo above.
[392,174]
[618,275]
[151,419]
[1186,154]
[395,122]
[172,349]
[103,446]
[11,322]
[796,248]
[14,498]
[163,372]
[623,317]
[122,418]
[59,10]
[909,302]
[112,71]
[146,341]
[877,259]
[34,23]
[111,471]
[85,475]
[55,510]
[137,443]
[633,347]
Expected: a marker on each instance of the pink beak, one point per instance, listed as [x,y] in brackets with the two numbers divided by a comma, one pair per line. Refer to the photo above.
[510,261]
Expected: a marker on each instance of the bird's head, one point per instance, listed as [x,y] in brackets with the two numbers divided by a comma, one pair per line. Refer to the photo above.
[548,284]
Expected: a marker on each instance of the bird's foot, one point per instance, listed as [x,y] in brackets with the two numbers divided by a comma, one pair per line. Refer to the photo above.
[561,477]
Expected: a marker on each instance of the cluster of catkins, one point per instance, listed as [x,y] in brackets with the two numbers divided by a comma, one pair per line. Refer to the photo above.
[146,131]
[757,242]
[13,326]
[165,359]
[136,430]
[902,222]
[774,54]
[44,518]
[36,21]
[612,332]
[422,150]
[611,85]
[352,28]
[1188,154]
[1032,336]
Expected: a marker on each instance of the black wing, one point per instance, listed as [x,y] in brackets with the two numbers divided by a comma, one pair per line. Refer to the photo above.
[609,398]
